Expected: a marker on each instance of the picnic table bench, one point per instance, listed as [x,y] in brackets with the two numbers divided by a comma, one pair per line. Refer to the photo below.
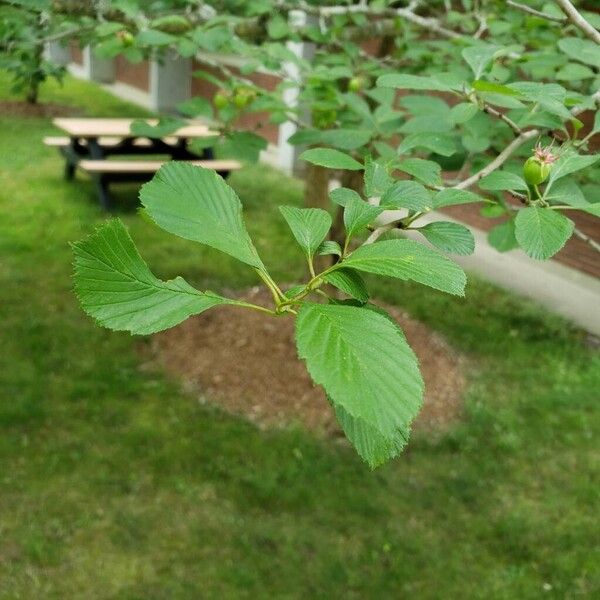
[89,144]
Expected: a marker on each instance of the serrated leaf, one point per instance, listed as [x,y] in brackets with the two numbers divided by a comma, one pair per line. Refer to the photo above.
[427,171]
[165,126]
[345,139]
[404,81]
[196,107]
[502,237]
[330,158]
[584,51]
[568,163]
[566,191]
[409,260]
[436,142]
[449,237]
[358,214]
[362,360]
[479,57]
[241,145]
[342,195]
[349,282]
[542,232]
[495,88]
[453,197]
[372,446]
[463,112]
[377,179]
[309,226]
[116,287]
[196,204]
[502,180]
[407,194]
[329,247]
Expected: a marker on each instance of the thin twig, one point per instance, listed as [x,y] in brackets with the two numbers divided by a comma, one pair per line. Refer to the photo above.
[537,13]
[587,239]
[575,17]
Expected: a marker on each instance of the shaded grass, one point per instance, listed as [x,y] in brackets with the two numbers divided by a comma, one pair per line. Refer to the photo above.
[116,484]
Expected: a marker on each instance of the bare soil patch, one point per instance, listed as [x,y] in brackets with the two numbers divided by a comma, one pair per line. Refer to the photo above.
[23,109]
[246,362]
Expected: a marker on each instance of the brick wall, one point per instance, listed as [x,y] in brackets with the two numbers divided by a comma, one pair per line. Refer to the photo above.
[136,75]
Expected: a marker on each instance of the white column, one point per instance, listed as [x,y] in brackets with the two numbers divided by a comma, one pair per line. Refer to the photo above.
[170,82]
[58,54]
[288,154]
[97,69]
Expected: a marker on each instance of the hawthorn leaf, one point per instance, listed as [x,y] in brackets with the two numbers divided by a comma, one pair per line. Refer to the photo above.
[309,226]
[463,112]
[479,57]
[502,180]
[377,179]
[404,81]
[162,128]
[116,287]
[407,194]
[449,237]
[342,195]
[329,247]
[436,142]
[374,447]
[350,282]
[568,163]
[566,191]
[502,237]
[542,232]
[196,204]
[409,260]
[330,158]
[358,214]
[453,197]
[363,361]
[427,171]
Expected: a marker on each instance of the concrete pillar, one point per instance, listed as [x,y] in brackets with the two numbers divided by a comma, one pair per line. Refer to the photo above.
[288,154]
[170,82]
[97,69]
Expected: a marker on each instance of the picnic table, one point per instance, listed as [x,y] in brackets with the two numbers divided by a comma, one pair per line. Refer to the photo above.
[89,144]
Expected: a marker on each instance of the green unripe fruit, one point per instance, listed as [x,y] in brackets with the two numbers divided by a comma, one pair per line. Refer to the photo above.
[243,96]
[355,84]
[535,172]
[324,118]
[220,100]
[126,38]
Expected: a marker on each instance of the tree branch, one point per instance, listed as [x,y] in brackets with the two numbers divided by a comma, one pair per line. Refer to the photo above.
[575,17]
[536,13]
[587,239]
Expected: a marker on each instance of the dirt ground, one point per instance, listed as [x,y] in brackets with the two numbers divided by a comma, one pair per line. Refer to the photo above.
[246,362]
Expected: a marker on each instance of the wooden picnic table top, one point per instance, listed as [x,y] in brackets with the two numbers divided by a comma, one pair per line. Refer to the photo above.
[92,128]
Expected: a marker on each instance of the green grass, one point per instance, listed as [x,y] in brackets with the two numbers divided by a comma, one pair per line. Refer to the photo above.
[116,484]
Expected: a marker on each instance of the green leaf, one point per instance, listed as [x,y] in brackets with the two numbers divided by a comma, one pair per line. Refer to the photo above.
[463,112]
[427,171]
[165,126]
[241,145]
[329,247]
[377,179]
[196,204]
[372,446]
[495,88]
[196,107]
[502,180]
[566,191]
[358,214]
[584,51]
[153,37]
[453,197]
[568,163]
[542,232]
[116,287]
[409,260]
[436,142]
[330,158]
[362,360]
[309,226]
[404,81]
[502,237]
[345,139]
[407,194]
[449,237]
[342,195]
[479,57]
[350,282]
[574,72]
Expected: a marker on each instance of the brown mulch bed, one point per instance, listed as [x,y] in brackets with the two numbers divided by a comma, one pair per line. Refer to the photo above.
[23,109]
[246,362]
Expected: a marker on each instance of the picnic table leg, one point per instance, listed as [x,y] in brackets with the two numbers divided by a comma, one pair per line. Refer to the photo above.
[101,180]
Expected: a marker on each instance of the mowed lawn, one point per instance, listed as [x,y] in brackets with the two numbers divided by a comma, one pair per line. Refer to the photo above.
[115,483]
